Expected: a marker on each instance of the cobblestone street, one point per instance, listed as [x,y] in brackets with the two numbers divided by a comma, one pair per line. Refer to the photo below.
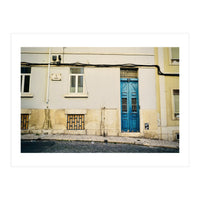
[53,146]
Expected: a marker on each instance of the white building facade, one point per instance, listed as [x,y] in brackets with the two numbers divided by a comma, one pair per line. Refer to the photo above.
[92,91]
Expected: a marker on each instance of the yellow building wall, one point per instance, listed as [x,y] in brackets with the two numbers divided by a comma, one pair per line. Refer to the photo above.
[171,82]
[168,67]
[36,119]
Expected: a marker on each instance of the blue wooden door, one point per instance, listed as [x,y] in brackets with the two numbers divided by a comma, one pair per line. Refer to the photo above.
[129,105]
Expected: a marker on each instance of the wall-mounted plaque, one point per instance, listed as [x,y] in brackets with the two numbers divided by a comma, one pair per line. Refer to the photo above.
[56,77]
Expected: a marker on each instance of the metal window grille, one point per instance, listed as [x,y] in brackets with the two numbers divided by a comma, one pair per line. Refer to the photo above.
[24,121]
[76,122]
[124,104]
[134,105]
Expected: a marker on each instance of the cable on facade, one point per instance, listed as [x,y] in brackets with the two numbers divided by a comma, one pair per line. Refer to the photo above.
[127,66]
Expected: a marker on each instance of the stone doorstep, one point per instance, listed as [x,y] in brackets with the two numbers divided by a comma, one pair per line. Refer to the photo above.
[111,139]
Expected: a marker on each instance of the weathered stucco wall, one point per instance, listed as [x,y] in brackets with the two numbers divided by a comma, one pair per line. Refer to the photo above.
[150,117]
[97,121]
[147,99]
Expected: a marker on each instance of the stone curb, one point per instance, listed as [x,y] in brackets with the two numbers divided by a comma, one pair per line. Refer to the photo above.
[110,139]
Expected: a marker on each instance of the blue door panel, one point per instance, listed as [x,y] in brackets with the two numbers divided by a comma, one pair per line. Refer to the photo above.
[125,123]
[129,105]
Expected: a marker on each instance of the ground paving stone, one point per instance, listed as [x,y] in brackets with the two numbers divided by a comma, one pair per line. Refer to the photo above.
[112,139]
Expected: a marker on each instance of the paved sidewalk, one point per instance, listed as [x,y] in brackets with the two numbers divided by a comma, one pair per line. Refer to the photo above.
[122,140]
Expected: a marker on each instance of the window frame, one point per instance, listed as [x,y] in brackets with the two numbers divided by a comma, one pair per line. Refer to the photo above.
[22,82]
[76,83]
[76,75]
[173,104]
[76,94]
[170,57]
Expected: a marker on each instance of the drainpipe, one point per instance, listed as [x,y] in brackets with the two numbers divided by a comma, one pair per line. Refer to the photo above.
[102,124]
[47,122]
[48,77]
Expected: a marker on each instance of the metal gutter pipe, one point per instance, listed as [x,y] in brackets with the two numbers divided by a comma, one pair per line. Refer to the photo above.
[48,77]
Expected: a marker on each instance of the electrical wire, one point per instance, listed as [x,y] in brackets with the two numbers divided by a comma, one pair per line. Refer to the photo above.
[126,66]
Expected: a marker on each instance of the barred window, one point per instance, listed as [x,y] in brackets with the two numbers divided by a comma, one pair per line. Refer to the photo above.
[75,122]
[24,121]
